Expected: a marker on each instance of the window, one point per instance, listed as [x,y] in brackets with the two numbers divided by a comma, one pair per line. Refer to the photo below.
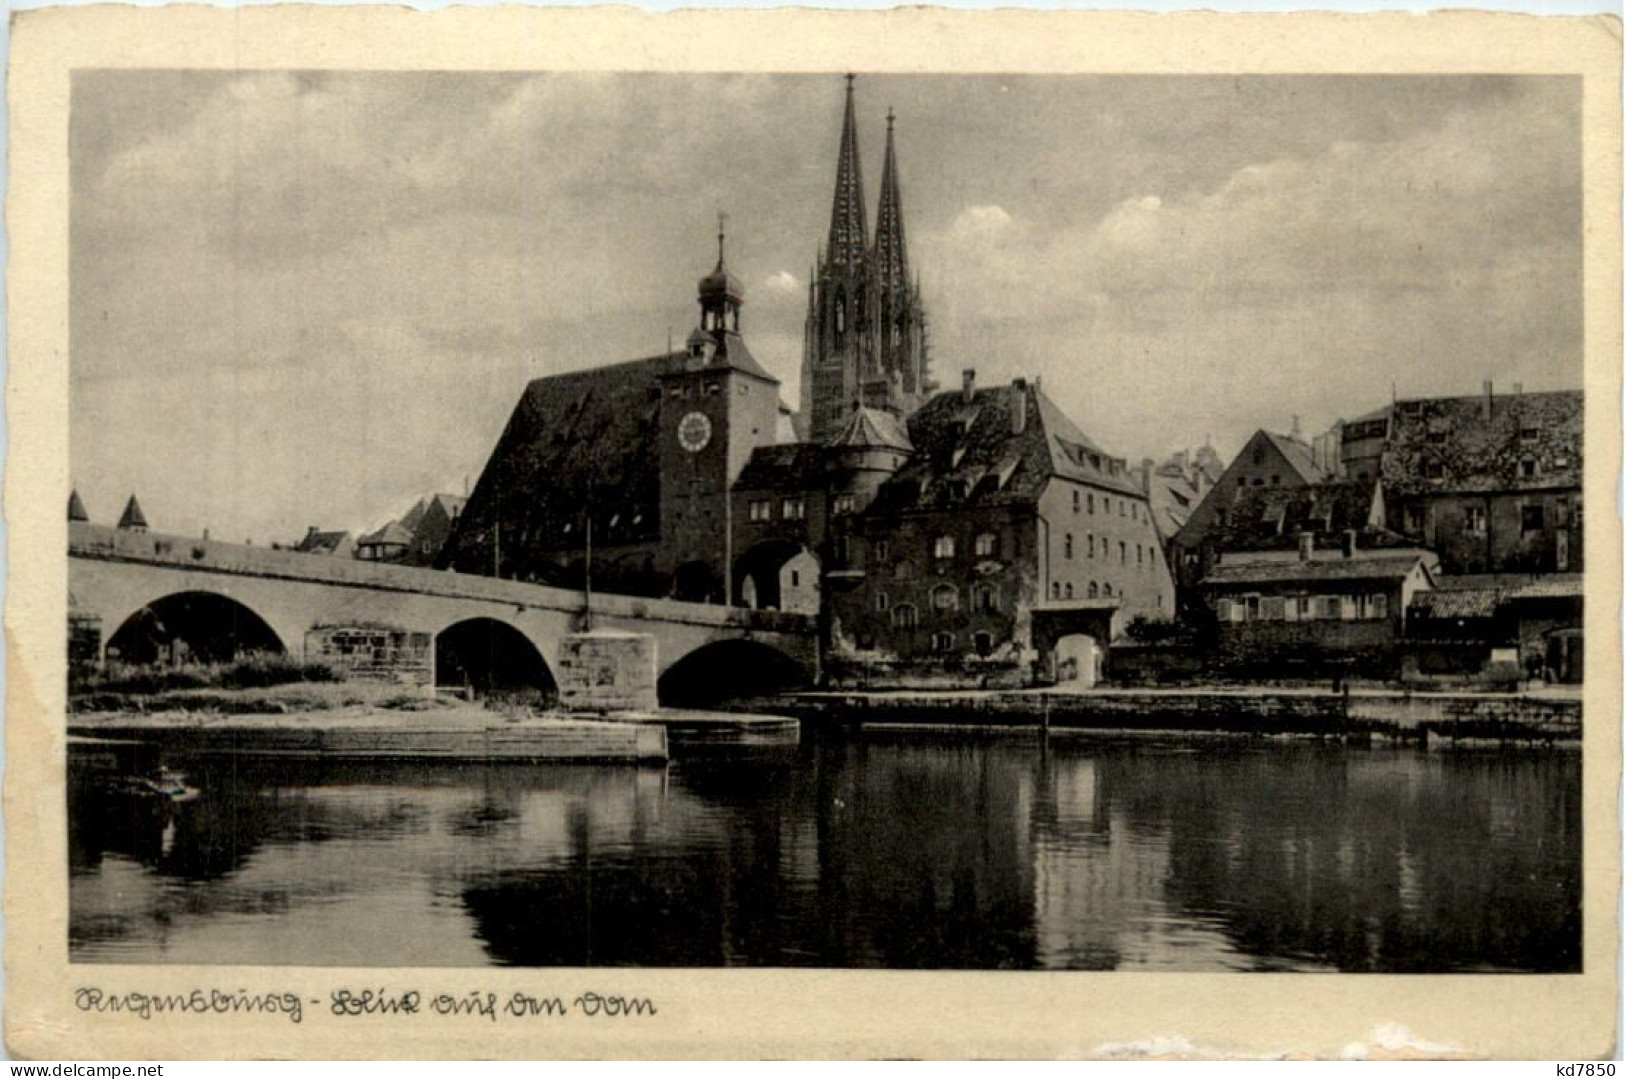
[1067,547]
[1134,511]
[1091,503]
[904,616]
[943,547]
[1069,590]
[1089,544]
[744,390]
[983,643]
[1122,551]
[1055,589]
[1272,609]
[985,598]
[1275,481]
[795,509]
[713,388]
[1527,468]
[841,549]
[1094,590]
[882,550]
[987,545]
[1378,606]
[942,642]
[795,578]
[1475,519]
[1139,555]
[882,601]
[1077,500]
[843,504]
[1534,518]
[1432,469]
[1222,610]
[761,510]
[1254,605]
[1331,607]
[902,571]
[945,597]
[1122,508]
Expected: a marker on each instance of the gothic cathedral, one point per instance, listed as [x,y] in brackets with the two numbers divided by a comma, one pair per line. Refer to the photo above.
[865,340]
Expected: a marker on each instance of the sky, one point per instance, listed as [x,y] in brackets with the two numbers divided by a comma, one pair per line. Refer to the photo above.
[308,298]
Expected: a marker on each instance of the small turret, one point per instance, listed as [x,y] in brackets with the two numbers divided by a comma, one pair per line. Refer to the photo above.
[132,519]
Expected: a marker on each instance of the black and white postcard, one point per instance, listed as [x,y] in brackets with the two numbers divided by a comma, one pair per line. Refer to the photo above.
[781,533]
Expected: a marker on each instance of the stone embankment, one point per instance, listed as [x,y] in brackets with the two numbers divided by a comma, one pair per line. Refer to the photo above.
[1537,717]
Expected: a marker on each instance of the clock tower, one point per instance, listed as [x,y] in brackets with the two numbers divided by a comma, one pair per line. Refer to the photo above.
[717,405]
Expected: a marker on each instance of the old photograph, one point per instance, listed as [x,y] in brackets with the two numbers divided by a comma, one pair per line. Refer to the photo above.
[548,519]
[815,533]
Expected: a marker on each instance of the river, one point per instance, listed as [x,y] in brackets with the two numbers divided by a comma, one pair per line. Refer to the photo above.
[899,850]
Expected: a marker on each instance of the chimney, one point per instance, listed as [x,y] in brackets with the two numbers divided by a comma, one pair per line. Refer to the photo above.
[1517,389]
[205,533]
[1350,541]
[1306,546]
[1018,405]
[1489,397]
[968,390]
[1147,466]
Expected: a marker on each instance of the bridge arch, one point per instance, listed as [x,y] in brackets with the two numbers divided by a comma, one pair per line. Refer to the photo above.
[486,656]
[777,574]
[192,626]
[729,668]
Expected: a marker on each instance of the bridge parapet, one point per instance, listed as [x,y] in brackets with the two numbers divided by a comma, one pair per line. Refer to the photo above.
[186,552]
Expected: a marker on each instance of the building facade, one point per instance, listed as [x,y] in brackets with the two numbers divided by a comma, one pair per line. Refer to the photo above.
[1268,460]
[1002,516]
[619,476]
[1492,482]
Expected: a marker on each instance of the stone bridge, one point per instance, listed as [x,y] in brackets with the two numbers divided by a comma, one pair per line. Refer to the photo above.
[128,590]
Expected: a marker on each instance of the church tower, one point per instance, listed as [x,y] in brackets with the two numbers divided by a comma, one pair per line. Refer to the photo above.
[864,341]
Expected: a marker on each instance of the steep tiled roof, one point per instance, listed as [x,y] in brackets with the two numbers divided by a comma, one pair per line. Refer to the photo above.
[392,533]
[871,427]
[590,432]
[967,452]
[796,466]
[1272,518]
[321,542]
[1299,455]
[1074,454]
[1362,567]
[1516,442]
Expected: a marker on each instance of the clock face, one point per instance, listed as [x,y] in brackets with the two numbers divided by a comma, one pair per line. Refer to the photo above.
[694,432]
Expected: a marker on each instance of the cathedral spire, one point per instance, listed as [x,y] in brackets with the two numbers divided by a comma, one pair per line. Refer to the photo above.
[891,251]
[848,229]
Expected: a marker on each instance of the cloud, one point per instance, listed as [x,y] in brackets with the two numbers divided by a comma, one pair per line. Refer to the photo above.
[784,283]
[1173,256]
[1294,285]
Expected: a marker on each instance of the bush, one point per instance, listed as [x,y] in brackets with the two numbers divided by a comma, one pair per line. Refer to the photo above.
[252,671]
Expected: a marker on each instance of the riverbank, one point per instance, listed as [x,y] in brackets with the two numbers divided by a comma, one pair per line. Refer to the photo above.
[466,733]
[1544,716]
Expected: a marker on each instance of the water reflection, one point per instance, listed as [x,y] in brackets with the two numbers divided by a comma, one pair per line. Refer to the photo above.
[913,851]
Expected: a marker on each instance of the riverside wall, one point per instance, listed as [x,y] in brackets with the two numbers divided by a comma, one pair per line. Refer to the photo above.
[1419,716]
